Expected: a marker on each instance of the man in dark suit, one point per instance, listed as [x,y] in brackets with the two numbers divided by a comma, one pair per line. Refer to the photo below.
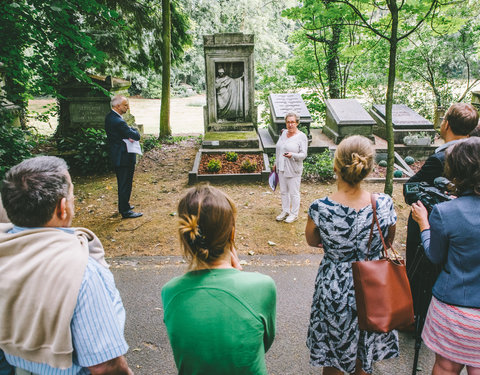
[123,161]
[459,121]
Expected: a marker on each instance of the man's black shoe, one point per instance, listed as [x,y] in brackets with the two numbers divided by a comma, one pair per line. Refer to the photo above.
[132,207]
[131,215]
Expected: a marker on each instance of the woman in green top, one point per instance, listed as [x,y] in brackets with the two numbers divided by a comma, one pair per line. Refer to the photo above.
[219,320]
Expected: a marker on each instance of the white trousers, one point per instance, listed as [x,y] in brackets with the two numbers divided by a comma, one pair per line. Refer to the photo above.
[290,192]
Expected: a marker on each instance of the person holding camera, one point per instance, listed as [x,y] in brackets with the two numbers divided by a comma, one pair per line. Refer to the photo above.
[460,119]
[450,239]
[291,150]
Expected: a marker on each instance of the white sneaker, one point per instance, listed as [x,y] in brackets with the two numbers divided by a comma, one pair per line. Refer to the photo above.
[282,216]
[291,219]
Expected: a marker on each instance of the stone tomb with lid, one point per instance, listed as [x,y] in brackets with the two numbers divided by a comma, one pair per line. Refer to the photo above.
[405,121]
[280,105]
[347,117]
[84,105]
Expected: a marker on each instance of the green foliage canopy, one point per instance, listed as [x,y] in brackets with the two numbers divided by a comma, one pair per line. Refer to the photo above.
[46,44]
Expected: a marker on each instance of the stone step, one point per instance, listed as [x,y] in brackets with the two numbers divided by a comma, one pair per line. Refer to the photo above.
[231,126]
[231,140]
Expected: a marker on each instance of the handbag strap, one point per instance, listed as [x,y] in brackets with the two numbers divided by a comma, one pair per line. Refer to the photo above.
[373,199]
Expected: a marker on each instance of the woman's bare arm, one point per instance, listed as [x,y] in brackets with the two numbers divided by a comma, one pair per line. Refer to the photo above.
[312,234]
[390,235]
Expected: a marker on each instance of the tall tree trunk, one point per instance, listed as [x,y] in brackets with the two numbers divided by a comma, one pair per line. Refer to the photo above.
[165,129]
[332,67]
[389,104]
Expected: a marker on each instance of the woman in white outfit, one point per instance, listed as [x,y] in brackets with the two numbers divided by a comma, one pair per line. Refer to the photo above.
[291,149]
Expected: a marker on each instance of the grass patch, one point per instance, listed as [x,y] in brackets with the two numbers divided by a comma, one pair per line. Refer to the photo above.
[227,136]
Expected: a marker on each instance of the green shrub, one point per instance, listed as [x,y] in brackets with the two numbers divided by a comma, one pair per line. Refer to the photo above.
[382,163]
[214,165]
[318,166]
[89,151]
[231,156]
[174,139]
[249,166]
[397,174]
[15,145]
[409,160]
[316,106]
[150,142]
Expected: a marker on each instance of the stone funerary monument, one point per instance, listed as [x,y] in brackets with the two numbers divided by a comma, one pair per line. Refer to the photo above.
[229,68]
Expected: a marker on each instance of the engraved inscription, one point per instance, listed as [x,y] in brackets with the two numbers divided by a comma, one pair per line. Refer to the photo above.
[88,112]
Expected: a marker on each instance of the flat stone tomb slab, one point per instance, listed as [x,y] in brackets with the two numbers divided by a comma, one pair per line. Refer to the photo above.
[403,117]
[347,117]
[405,122]
[280,105]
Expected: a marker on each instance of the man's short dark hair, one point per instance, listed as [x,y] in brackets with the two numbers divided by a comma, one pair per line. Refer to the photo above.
[462,118]
[32,189]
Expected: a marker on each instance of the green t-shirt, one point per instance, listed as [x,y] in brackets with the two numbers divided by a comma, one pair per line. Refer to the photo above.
[220,321]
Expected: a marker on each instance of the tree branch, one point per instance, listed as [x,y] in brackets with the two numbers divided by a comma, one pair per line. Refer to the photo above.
[316,39]
[362,18]
[432,7]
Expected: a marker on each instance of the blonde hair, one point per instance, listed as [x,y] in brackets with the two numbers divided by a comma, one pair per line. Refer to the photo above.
[354,159]
[206,224]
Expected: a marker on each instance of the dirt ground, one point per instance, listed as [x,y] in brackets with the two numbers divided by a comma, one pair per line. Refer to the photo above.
[161,179]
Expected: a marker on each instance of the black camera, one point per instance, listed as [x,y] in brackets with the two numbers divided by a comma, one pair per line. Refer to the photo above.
[427,194]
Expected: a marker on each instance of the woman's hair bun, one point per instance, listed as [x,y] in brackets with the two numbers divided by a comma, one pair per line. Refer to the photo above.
[354,159]
[206,224]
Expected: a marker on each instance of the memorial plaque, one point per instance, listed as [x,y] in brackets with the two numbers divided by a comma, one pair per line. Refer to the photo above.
[89,113]
[347,117]
[280,105]
[405,121]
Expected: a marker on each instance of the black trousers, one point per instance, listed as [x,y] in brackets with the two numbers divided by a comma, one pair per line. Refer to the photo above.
[124,183]
[422,273]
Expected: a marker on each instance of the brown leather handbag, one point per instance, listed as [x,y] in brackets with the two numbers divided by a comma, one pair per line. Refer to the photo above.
[382,291]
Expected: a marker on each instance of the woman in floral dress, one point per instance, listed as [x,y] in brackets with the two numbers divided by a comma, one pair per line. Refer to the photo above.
[341,224]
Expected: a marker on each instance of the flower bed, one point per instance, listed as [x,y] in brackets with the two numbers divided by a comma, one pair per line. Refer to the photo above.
[230,167]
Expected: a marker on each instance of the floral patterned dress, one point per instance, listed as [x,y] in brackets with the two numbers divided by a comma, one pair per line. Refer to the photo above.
[334,338]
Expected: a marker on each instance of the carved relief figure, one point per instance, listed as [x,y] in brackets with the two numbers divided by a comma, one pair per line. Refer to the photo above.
[229,93]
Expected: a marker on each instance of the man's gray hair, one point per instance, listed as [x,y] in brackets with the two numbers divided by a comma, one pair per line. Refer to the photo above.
[32,189]
[293,114]
[117,100]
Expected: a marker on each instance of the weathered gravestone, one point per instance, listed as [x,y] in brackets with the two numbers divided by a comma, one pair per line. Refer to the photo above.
[405,121]
[229,68]
[8,111]
[280,105]
[347,117]
[85,106]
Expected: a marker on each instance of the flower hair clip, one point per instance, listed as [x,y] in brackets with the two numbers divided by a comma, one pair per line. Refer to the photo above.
[199,241]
